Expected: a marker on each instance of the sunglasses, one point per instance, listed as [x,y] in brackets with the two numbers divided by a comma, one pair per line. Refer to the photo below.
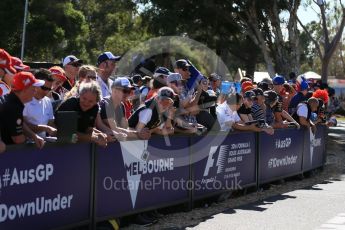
[125,90]
[75,64]
[46,88]
[177,83]
[92,77]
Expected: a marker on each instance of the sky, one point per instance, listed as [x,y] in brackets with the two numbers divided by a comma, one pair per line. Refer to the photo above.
[308,14]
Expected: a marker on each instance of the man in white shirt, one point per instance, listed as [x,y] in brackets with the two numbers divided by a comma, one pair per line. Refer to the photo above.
[303,113]
[38,113]
[227,112]
[227,115]
[106,63]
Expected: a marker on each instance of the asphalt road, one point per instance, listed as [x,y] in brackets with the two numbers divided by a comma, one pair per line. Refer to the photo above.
[321,206]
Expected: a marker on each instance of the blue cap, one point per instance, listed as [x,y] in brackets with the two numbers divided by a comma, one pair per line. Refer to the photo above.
[304,85]
[161,71]
[107,56]
[121,82]
[278,80]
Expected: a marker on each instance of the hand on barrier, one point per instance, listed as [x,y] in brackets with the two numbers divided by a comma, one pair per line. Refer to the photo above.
[269,130]
[51,130]
[39,141]
[99,139]
[119,136]
[144,134]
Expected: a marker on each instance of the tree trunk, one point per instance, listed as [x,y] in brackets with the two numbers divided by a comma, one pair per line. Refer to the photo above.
[258,38]
[324,70]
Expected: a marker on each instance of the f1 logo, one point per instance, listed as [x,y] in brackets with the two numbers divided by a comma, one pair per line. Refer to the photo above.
[210,159]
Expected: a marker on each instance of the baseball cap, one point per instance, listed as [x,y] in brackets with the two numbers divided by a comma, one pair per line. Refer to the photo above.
[246,86]
[166,93]
[58,72]
[174,77]
[18,64]
[270,96]
[264,86]
[23,80]
[249,94]
[258,92]
[6,62]
[107,56]
[182,63]
[71,59]
[214,77]
[267,80]
[161,71]
[278,80]
[121,82]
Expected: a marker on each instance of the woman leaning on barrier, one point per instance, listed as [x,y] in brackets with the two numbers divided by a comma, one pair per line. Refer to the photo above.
[86,105]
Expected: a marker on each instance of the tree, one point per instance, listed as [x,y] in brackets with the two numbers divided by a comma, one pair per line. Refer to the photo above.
[11,20]
[209,22]
[55,31]
[264,27]
[327,46]
[114,26]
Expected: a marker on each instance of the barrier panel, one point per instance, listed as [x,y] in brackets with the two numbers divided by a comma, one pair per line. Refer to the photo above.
[223,162]
[64,186]
[139,175]
[314,153]
[280,155]
[45,189]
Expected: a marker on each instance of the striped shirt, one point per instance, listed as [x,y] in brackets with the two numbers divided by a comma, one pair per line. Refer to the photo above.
[257,112]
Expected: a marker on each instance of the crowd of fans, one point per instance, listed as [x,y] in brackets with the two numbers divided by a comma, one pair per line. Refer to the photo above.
[181,100]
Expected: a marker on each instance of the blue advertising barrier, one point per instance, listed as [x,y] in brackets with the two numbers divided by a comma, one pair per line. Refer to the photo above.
[139,175]
[280,155]
[64,186]
[223,162]
[314,153]
[45,189]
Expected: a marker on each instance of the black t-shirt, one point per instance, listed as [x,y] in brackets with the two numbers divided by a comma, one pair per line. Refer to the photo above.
[244,110]
[108,111]
[11,113]
[86,118]
[67,85]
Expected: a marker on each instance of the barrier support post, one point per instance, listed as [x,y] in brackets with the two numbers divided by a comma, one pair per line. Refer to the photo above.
[257,145]
[93,192]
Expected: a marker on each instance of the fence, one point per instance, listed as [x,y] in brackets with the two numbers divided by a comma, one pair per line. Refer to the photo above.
[63,186]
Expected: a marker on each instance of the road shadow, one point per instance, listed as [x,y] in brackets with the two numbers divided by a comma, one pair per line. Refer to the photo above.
[258,206]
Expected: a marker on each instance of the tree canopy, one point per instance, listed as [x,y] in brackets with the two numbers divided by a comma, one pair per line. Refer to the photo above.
[268,36]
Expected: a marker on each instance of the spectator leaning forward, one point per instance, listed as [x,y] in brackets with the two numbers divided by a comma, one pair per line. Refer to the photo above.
[280,115]
[38,113]
[113,111]
[13,128]
[304,111]
[86,105]
[150,115]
